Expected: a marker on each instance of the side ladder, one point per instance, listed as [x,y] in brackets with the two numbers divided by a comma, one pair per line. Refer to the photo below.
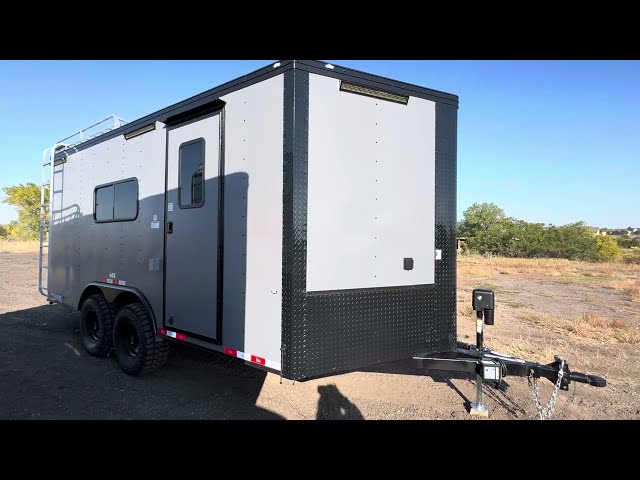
[45,218]
[46,197]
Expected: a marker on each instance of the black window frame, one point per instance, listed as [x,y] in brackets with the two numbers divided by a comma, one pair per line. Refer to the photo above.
[204,161]
[113,184]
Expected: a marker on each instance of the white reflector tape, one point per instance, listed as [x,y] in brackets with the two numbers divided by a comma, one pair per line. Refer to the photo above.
[252,358]
[274,365]
[230,351]
[113,280]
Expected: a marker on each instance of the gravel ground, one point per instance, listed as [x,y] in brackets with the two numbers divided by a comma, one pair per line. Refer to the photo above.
[45,374]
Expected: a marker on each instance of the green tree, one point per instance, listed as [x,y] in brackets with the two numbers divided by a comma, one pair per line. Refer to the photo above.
[479,217]
[26,198]
[574,241]
[489,230]
[608,249]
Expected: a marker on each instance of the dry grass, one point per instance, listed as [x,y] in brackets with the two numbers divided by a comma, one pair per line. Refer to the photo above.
[590,326]
[476,265]
[10,246]
[601,335]
[465,310]
[617,275]
[630,287]
[525,346]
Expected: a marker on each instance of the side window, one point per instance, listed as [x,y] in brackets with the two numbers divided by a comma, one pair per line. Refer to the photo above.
[116,202]
[191,174]
[103,211]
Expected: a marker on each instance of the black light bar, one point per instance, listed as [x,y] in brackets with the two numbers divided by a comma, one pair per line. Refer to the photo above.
[372,92]
[140,131]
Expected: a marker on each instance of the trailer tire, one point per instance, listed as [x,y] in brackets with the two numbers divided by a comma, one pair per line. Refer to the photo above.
[96,325]
[138,349]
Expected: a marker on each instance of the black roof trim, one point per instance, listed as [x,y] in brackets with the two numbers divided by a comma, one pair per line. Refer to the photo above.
[376,81]
[264,73]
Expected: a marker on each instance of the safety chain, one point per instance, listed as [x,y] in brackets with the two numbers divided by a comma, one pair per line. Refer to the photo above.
[545,412]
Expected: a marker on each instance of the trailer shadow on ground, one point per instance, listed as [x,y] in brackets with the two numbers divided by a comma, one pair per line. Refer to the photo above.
[499,395]
[333,405]
[45,374]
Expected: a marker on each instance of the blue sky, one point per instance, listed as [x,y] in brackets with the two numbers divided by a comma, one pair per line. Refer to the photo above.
[548,141]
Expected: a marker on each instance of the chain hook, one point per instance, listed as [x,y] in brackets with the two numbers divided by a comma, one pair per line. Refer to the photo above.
[546,411]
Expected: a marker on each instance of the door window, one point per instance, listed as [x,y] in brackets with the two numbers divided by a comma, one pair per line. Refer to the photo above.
[191,177]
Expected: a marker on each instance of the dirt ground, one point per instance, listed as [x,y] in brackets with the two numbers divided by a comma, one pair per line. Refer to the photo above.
[45,374]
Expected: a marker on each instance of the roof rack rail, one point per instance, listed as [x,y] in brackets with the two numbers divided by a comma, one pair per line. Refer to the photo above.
[105,125]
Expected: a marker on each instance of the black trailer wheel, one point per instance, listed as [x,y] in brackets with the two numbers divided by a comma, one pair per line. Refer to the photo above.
[96,325]
[137,348]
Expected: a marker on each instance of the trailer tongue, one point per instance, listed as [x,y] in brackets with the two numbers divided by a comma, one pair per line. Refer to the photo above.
[490,367]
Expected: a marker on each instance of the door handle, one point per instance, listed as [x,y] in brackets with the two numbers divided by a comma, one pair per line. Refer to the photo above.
[169,227]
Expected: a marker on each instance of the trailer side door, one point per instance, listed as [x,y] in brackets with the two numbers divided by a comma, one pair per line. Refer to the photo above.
[192,240]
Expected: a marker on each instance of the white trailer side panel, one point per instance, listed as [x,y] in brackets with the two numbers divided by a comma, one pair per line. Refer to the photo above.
[371,190]
[252,297]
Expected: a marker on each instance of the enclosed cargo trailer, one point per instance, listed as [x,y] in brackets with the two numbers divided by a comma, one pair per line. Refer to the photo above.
[301,218]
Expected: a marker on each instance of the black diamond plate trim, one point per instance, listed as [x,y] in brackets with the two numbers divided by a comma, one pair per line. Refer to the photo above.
[294,225]
[445,325]
[349,330]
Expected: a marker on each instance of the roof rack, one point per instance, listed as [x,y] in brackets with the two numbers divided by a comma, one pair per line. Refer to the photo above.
[105,125]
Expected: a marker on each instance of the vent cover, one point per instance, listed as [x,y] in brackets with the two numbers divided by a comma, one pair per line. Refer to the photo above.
[372,92]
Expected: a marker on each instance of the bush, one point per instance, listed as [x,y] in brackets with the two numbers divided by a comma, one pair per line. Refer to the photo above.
[623,242]
[633,257]
[491,232]
[608,249]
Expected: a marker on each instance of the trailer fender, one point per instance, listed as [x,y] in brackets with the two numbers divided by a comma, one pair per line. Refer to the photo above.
[118,296]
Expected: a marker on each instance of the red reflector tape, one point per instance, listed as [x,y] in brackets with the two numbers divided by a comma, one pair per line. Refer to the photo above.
[258,360]
[162,331]
[248,357]
[181,336]
[113,281]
